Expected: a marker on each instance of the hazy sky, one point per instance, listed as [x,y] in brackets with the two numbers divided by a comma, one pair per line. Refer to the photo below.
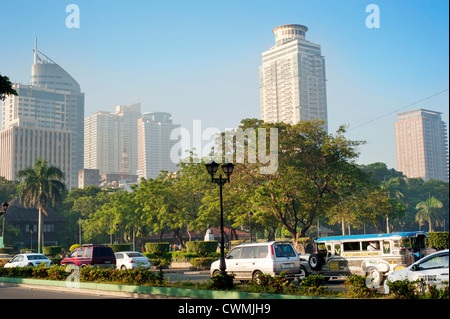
[199,59]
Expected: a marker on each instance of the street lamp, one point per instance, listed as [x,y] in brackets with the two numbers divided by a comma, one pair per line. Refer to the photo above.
[3,213]
[250,215]
[227,168]
[31,238]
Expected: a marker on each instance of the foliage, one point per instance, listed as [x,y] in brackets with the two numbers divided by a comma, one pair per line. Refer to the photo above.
[438,240]
[277,284]
[6,87]
[429,211]
[159,249]
[202,262]
[356,287]
[313,284]
[202,248]
[52,250]
[119,247]
[403,289]
[221,282]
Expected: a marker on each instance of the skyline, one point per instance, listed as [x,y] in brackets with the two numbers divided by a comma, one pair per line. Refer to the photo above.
[186,57]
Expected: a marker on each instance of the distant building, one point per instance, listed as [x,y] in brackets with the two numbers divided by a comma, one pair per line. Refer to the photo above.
[26,220]
[52,102]
[111,141]
[154,129]
[422,146]
[292,78]
[21,146]
[88,177]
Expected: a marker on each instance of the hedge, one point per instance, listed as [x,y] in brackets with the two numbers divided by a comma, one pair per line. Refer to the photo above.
[203,248]
[202,261]
[159,249]
[119,247]
[51,250]
[438,240]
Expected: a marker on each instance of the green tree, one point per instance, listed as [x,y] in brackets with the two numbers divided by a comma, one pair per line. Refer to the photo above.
[429,211]
[41,186]
[6,87]
[314,170]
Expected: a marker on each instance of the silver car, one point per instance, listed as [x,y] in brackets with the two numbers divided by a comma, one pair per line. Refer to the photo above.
[249,260]
[28,259]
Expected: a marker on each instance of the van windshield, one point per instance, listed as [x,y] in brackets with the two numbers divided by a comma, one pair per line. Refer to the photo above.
[284,250]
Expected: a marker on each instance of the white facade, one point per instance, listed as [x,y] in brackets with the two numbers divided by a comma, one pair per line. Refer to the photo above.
[292,78]
[154,147]
[422,146]
[111,140]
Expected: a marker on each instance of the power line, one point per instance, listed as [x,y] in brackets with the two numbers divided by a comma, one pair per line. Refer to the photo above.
[395,111]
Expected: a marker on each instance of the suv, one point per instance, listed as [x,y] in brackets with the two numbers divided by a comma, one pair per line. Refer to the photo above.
[102,256]
[248,261]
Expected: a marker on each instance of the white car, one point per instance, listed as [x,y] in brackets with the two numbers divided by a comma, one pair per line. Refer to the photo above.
[433,269]
[131,260]
[28,259]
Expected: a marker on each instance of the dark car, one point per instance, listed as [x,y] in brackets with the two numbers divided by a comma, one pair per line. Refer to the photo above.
[102,256]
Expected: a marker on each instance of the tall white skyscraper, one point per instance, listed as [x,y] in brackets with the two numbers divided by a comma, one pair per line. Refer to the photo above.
[111,140]
[422,146]
[292,78]
[54,102]
[154,147]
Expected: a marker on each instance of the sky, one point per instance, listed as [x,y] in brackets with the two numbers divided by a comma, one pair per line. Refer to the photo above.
[199,59]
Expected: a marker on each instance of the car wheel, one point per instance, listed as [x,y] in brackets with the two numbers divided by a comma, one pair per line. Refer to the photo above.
[374,277]
[123,267]
[215,273]
[303,272]
[256,277]
[315,261]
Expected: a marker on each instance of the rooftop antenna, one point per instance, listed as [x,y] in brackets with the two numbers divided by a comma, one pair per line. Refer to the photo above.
[35,50]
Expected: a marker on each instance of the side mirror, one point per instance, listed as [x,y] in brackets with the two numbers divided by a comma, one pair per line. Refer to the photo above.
[415,267]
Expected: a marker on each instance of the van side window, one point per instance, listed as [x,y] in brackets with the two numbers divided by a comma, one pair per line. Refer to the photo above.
[248,252]
[88,252]
[235,253]
[80,252]
[263,251]
[351,246]
[371,245]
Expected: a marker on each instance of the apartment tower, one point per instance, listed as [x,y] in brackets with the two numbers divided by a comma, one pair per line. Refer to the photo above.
[292,78]
[421,142]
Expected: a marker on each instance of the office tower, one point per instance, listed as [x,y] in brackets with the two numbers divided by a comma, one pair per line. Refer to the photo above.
[53,101]
[292,78]
[421,141]
[111,140]
[154,146]
[21,146]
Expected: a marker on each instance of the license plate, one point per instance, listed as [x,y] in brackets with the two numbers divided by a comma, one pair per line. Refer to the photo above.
[289,265]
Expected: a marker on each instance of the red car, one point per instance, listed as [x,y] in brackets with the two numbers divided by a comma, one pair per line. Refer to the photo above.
[102,256]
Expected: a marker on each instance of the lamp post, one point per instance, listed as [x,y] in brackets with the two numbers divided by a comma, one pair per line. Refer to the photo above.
[31,238]
[3,213]
[227,168]
[250,215]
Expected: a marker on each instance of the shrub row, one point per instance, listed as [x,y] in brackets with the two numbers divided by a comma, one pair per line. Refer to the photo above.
[88,274]
[438,240]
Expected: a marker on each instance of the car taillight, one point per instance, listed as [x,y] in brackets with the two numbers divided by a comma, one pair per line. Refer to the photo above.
[132,261]
[272,254]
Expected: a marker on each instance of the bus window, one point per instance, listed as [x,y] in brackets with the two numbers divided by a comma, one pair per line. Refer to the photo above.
[328,250]
[371,245]
[386,247]
[337,249]
[351,246]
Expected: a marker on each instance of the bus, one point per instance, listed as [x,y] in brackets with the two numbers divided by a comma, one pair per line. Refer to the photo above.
[374,255]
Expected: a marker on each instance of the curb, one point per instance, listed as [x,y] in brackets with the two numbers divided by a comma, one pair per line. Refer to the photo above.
[128,290]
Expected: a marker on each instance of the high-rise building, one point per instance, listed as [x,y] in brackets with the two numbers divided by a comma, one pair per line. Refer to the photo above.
[154,129]
[292,78]
[111,140]
[421,142]
[21,146]
[53,101]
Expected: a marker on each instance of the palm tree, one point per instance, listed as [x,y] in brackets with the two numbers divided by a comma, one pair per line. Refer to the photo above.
[42,185]
[428,210]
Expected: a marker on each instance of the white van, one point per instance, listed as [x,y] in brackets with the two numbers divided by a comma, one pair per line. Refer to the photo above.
[249,260]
